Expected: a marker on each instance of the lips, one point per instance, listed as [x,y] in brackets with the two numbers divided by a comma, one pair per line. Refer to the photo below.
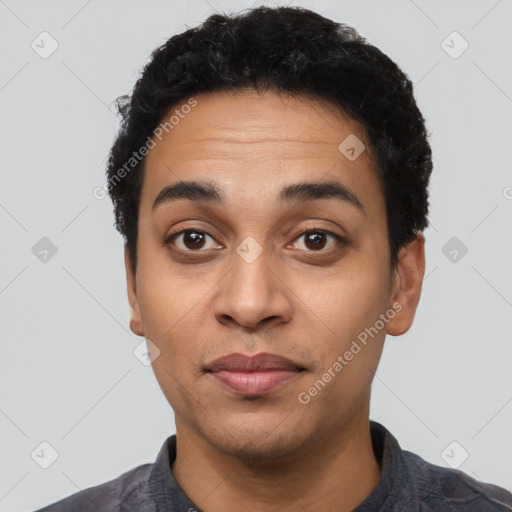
[253,375]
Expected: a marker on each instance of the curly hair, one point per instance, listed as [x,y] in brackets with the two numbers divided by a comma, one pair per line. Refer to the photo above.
[295,51]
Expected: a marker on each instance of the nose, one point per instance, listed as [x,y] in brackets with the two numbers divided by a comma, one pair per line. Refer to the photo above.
[252,294]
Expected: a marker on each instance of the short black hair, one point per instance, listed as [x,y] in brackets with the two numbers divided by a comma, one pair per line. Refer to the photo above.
[291,50]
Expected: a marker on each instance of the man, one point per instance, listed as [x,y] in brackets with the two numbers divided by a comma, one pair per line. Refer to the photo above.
[270,179]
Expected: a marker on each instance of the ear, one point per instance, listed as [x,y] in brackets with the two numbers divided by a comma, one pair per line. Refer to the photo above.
[135,318]
[408,279]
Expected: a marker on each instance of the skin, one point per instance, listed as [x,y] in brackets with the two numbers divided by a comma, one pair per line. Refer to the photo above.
[270,453]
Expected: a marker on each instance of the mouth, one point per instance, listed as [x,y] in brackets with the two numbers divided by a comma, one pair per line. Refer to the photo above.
[255,375]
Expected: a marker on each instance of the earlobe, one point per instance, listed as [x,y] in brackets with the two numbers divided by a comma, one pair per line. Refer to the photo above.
[135,318]
[409,274]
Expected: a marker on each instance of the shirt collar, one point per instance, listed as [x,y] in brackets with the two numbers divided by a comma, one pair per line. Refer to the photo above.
[169,496]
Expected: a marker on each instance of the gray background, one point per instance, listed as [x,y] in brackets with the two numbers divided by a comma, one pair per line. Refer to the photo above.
[68,375]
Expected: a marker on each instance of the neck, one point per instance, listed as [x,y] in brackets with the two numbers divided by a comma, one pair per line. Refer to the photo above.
[333,472]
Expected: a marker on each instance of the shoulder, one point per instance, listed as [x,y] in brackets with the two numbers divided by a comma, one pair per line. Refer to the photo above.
[444,489]
[130,488]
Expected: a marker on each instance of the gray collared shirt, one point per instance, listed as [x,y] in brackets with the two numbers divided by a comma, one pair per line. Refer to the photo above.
[408,484]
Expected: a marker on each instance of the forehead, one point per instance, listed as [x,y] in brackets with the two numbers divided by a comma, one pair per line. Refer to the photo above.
[252,145]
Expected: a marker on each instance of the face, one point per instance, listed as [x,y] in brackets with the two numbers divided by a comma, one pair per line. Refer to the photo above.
[258,292]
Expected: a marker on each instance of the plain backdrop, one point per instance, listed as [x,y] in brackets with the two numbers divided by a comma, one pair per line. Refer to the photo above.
[68,375]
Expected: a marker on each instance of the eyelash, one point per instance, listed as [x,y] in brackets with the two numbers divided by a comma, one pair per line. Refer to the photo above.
[340,239]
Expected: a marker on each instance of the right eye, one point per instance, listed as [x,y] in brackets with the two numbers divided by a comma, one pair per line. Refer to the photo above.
[191,240]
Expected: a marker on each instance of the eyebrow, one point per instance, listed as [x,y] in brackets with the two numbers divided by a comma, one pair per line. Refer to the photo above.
[210,192]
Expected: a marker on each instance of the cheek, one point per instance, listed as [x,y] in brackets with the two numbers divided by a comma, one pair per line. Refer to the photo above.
[164,295]
[348,302]
[165,313]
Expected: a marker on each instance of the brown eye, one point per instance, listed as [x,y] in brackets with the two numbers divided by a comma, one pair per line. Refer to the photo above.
[190,240]
[316,240]
[196,240]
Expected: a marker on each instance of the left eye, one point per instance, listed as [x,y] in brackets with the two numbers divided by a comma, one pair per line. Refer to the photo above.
[316,239]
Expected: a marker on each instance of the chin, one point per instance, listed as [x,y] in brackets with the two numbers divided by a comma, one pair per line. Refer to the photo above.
[258,441]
